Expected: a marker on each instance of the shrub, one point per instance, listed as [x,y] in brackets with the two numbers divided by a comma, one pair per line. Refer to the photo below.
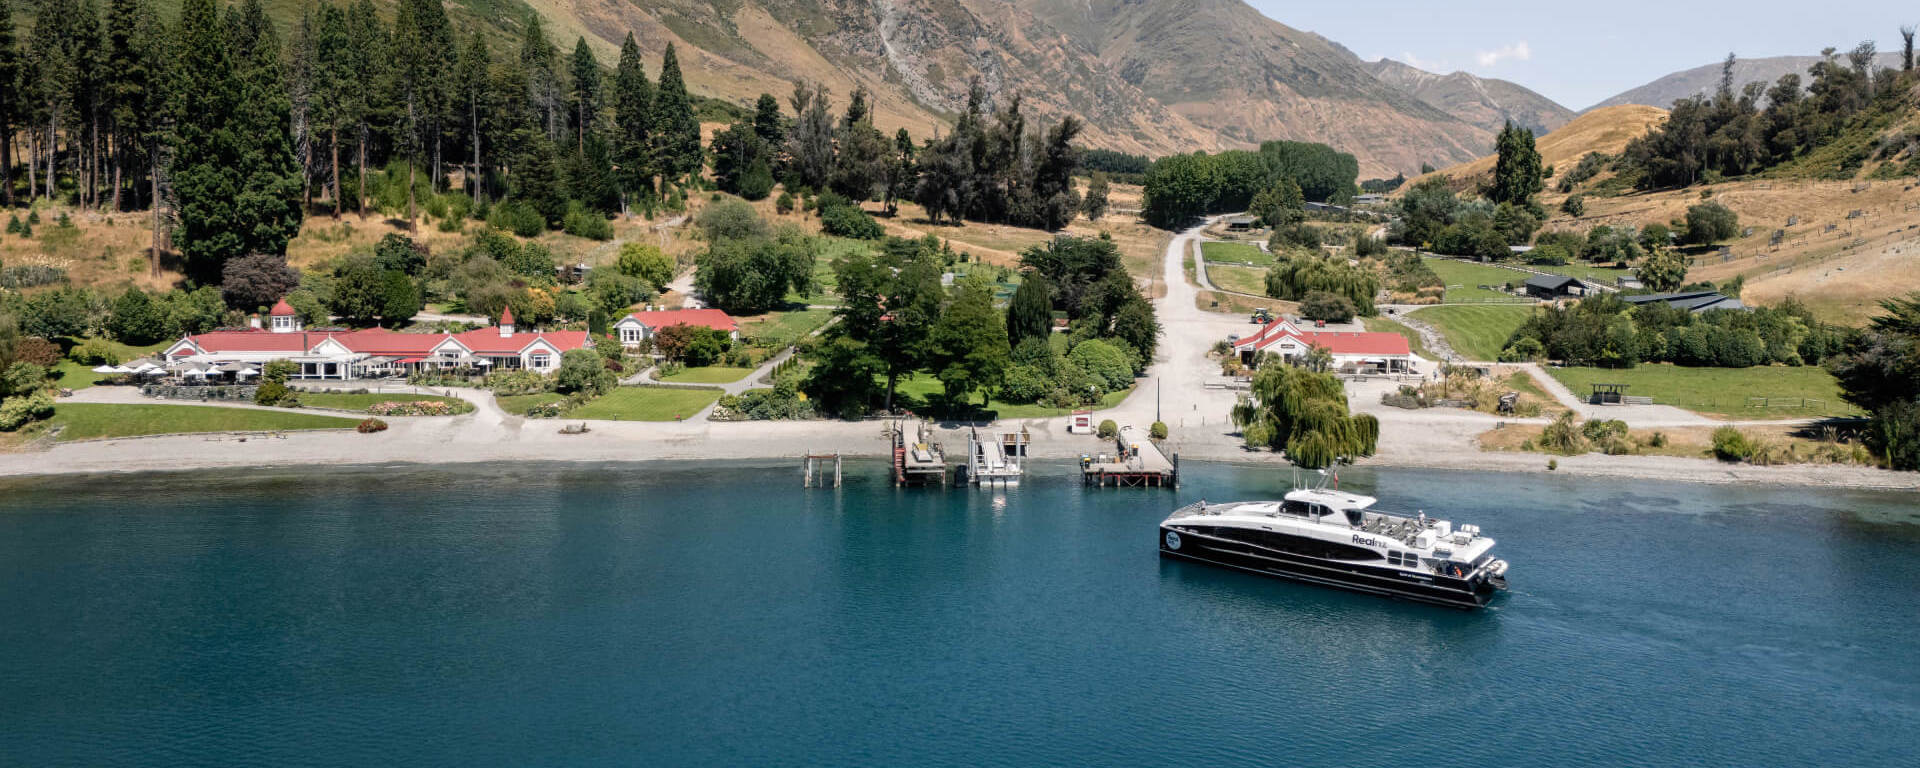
[517,217]
[850,221]
[521,382]
[1575,206]
[370,426]
[275,393]
[38,351]
[783,204]
[1731,444]
[1104,363]
[1330,307]
[1563,436]
[1108,429]
[588,224]
[94,351]
[1158,431]
[17,412]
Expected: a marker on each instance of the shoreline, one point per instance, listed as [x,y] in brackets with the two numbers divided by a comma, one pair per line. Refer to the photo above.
[435,441]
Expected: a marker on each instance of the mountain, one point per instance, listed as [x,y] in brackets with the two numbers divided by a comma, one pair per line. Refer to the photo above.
[1604,129]
[1149,76]
[1484,102]
[1704,80]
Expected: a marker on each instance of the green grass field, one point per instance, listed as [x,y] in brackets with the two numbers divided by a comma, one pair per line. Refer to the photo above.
[1603,274]
[518,405]
[1217,252]
[776,330]
[87,421]
[647,404]
[354,402]
[1242,279]
[712,374]
[1475,332]
[72,375]
[1463,279]
[1389,325]
[1719,391]
[923,393]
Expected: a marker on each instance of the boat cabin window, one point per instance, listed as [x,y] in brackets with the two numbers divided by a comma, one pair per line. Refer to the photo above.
[1296,508]
[1355,517]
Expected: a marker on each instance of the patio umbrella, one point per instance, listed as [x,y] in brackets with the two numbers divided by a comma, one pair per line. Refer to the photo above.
[232,368]
[110,369]
[482,362]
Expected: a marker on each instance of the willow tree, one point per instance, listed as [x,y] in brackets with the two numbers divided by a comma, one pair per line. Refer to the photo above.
[1304,413]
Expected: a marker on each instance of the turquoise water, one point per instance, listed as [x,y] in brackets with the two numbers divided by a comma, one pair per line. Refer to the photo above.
[669,614]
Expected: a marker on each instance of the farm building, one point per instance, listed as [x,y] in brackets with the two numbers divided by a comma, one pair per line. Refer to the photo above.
[1554,287]
[1694,301]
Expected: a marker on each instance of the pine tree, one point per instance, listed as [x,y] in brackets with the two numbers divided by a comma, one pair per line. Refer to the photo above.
[586,92]
[633,119]
[543,79]
[10,92]
[767,123]
[1517,172]
[334,84]
[54,80]
[368,62]
[133,68]
[268,206]
[676,134]
[205,153]
[474,94]
[421,43]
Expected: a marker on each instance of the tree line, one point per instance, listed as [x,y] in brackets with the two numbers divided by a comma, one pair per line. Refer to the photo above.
[1746,129]
[230,135]
[1607,331]
[1180,188]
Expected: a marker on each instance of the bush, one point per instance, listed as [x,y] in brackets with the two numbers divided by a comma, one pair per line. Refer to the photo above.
[370,426]
[850,221]
[521,382]
[1158,431]
[275,393]
[1108,429]
[1575,206]
[1105,364]
[19,411]
[588,224]
[1730,444]
[783,204]
[517,217]
[1330,307]
[94,351]
[1563,436]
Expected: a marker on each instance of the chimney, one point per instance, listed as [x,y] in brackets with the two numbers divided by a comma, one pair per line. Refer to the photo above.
[506,322]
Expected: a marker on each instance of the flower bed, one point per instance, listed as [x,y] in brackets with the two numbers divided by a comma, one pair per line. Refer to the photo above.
[417,408]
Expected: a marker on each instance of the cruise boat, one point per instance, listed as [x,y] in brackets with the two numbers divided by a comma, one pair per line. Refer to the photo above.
[1327,536]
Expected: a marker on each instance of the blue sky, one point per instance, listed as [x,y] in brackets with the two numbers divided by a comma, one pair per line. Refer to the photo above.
[1580,53]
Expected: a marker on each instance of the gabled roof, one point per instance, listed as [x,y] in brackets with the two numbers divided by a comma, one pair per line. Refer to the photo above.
[709,318]
[1337,342]
[1552,282]
[379,341]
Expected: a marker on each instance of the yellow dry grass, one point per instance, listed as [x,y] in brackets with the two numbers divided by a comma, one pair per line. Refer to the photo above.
[1602,130]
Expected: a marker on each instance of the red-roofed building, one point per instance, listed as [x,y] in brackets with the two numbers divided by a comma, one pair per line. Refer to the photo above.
[1356,351]
[381,352]
[638,327]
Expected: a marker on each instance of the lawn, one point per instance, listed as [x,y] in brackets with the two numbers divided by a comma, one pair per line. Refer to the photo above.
[361,402]
[711,374]
[924,393]
[1389,325]
[1241,279]
[647,404]
[72,375]
[1217,252]
[85,421]
[777,330]
[1604,275]
[1463,279]
[1475,332]
[518,405]
[1720,391]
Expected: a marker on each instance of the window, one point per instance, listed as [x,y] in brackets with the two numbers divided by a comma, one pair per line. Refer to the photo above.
[538,360]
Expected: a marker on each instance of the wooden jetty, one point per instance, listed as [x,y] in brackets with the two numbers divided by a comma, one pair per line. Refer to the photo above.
[917,458]
[1135,463]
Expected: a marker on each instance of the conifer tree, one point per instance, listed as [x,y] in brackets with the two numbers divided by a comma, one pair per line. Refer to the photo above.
[368,61]
[54,80]
[133,69]
[473,93]
[267,208]
[767,123]
[633,119]
[676,134]
[333,92]
[204,148]
[543,79]
[10,101]
[1517,173]
[586,92]
[421,42]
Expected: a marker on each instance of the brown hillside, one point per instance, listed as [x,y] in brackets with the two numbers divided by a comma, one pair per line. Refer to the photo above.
[1602,130]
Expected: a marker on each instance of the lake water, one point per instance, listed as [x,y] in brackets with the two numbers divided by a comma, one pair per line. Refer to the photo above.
[673,614]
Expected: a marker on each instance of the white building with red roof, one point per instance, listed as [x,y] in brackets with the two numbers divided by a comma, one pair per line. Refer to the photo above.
[1352,350]
[378,351]
[639,327]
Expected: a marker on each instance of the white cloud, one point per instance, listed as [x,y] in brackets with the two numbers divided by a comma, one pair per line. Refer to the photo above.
[1517,52]
[1418,63]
